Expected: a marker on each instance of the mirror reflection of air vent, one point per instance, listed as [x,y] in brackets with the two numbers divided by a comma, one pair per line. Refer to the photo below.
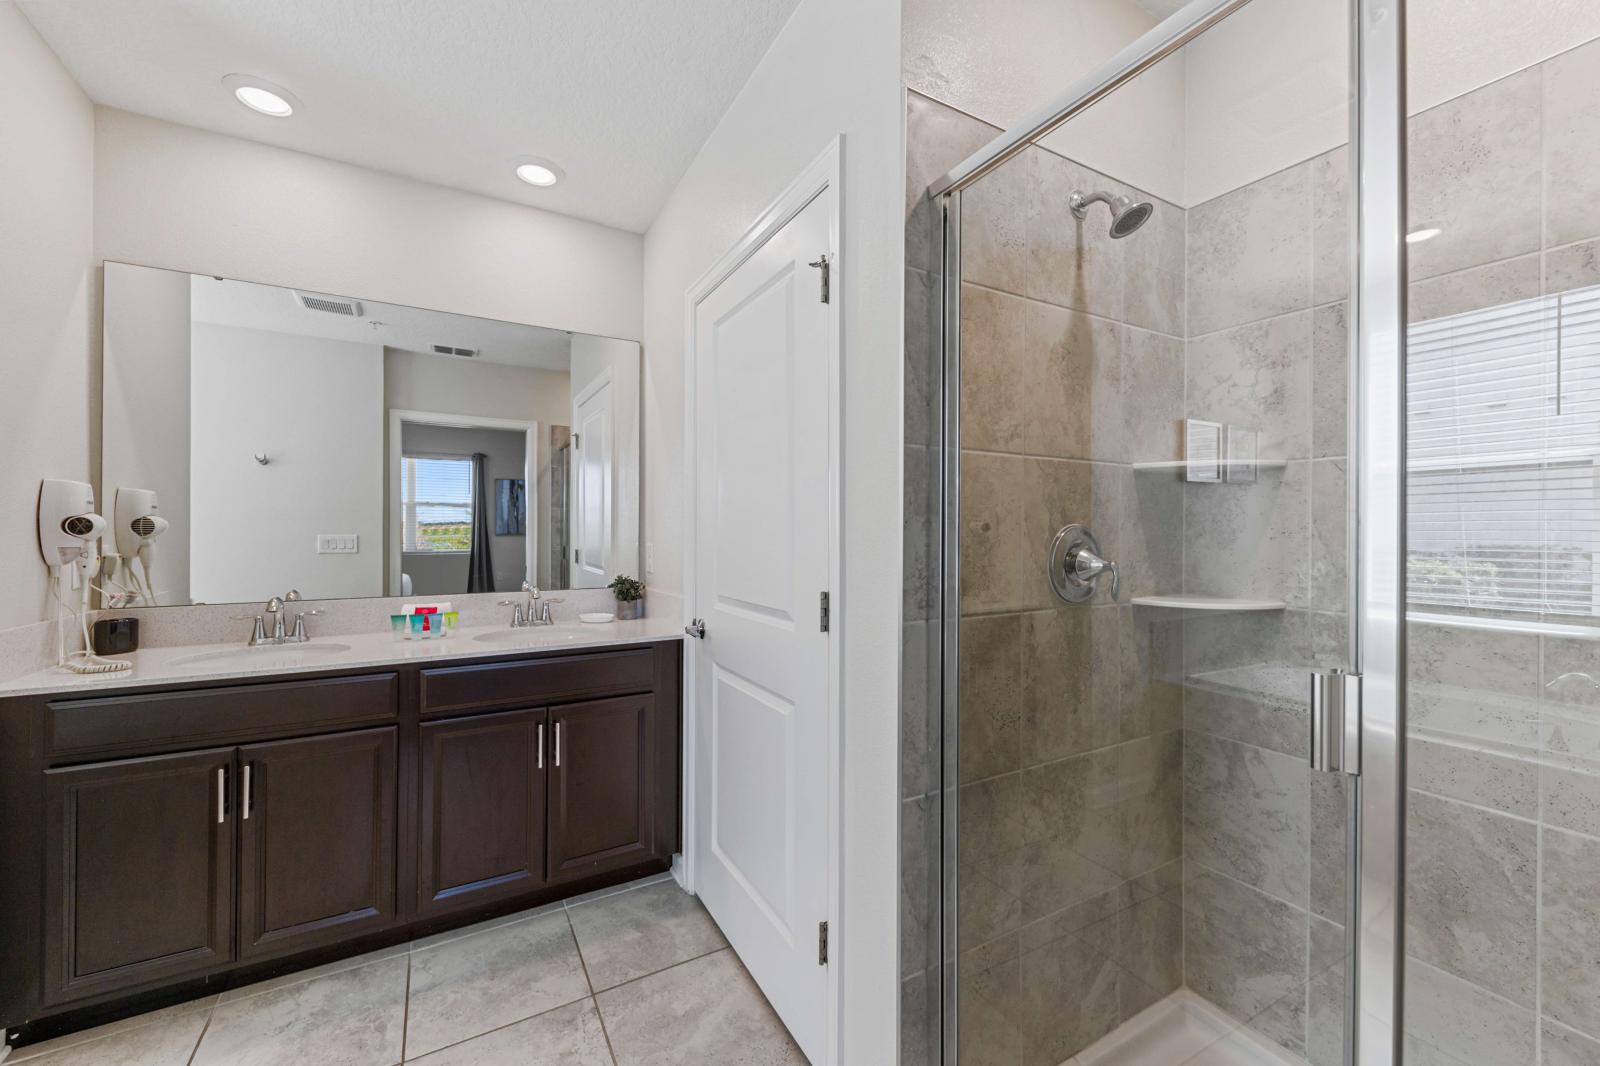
[331,305]
[460,353]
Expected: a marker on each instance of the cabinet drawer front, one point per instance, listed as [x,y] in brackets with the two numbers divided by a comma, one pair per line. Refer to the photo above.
[452,690]
[158,720]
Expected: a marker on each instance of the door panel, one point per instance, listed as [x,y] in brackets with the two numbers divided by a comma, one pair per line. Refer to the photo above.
[594,455]
[760,449]
[482,809]
[317,840]
[601,781]
[139,873]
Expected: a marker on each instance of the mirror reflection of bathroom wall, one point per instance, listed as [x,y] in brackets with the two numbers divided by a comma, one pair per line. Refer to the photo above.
[347,448]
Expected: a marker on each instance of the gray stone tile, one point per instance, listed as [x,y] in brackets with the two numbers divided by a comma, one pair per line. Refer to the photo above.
[1258,376]
[992,818]
[1330,380]
[937,138]
[1464,156]
[994,364]
[167,1041]
[995,220]
[990,1022]
[1570,737]
[1506,779]
[1576,266]
[1218,641]
[1470,894]
[490,979]
[200,1007]
[1149,952]
[1257,719]
[708,1010]
[1473,686]
[1071,263]
[635,933]
[1246,814]
[919,873]
[924,357]
[1151,673]
[1148,534]
[1451,1022]
[993,564]
[1330,226]
[990,891]
[354,1017]
[1250,253]
[1325,995]
[1070,692]
[918,1033]
[1564,1047]
[1569,930]
[1153,271]
[1243,950]
[1330,822]
[920,534]
[1330,519]
[1071,385]
[1074,846]
[1250,539]
[296,977]
[1475,289]
[567,1036]
[1151,404]
[1571,155]
[918,722]
[1070,997]
[990,695]
[1150,801]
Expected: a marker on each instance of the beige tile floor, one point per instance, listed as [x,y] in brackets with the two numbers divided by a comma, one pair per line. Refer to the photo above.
[634,976]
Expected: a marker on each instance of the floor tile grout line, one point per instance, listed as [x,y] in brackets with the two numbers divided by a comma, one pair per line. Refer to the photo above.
[653,973]
[405,1009]
[506,1025]
[204,1029]
[605,1033]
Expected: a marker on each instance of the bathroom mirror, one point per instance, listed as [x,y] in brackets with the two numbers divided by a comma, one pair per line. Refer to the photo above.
[258,438]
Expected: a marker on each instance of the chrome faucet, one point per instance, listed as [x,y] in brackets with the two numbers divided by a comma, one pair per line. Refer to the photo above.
[532,612]
[280,630]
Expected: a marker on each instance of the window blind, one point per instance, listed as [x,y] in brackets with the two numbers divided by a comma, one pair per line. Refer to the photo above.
[1503,457]
[435,504]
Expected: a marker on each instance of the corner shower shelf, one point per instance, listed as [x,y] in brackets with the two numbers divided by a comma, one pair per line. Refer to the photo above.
[1208,603]
[1180,465]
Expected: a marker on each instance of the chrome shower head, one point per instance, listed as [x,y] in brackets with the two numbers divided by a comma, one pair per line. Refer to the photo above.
[1127,214]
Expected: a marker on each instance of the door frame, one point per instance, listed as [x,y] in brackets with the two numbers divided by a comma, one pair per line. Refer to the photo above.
[394,564]
[822,178]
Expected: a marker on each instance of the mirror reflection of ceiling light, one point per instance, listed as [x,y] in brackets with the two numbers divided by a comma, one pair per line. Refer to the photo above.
[1426,232]
[261,96]
[538,172]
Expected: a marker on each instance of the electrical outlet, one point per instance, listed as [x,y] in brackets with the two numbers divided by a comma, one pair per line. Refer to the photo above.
[649,557]
[338,543]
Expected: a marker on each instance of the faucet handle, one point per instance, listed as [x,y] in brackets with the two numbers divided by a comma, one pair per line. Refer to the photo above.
[516,612]
[260,634]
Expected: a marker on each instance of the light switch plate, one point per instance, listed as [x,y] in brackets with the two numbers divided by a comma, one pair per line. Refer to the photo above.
[338,543]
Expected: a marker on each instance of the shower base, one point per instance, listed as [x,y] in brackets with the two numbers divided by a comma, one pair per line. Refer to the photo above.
[1183,1030]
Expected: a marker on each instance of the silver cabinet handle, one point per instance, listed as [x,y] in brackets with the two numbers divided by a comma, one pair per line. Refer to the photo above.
[558,742]
[244,799]
[222,794]
[541,746]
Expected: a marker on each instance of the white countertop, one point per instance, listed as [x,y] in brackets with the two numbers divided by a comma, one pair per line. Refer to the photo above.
[234,661]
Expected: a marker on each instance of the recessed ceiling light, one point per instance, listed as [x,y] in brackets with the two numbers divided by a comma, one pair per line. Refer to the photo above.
[1423,233]
[536,171]
[261,96]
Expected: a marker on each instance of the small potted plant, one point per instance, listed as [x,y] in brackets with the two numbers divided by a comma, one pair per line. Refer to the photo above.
[630,596]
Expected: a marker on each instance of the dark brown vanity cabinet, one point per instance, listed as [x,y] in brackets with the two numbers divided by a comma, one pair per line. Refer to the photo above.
[482,817]
[138,872]
[163,840]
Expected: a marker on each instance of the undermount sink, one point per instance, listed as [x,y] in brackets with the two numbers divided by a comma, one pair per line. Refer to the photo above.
[266,657]
[555,634]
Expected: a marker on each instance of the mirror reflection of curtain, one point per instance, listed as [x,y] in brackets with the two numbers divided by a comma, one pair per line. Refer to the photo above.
[480,567]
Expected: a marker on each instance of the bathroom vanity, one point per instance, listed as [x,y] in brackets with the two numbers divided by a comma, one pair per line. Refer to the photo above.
[165,838]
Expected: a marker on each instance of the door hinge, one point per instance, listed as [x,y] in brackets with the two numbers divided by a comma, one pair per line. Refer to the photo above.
[574,442]
[821,263]
[822,943]
[1336,721]
[824,612]
[577,555]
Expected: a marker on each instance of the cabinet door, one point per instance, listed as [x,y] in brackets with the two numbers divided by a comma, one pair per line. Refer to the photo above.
[316,840]
[482,809]
[601,783]
[139,871]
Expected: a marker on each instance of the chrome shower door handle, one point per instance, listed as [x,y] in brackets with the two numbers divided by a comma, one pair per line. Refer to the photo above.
[1076,565]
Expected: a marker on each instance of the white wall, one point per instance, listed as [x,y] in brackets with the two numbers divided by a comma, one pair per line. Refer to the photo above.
[177,197]
[591,357]
[145,407]
[833,70]
[255,526]
[46,287]
[997,60]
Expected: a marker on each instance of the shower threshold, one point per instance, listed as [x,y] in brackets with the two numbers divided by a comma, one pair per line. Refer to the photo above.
[1183,1030]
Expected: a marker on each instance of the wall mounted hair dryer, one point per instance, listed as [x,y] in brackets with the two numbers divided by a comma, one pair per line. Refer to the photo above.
[69,542]
[137,525]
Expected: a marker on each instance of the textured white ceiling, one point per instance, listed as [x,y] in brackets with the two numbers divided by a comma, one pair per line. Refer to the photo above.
[251,306]
[619,93]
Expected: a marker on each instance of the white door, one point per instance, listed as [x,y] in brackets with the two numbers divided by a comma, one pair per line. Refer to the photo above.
[591,486]
[761,425]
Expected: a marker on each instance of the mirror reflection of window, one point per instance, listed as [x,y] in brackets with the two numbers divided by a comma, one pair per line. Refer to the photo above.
[436,502]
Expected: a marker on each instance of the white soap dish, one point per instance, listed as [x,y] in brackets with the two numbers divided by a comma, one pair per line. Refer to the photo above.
[597,617]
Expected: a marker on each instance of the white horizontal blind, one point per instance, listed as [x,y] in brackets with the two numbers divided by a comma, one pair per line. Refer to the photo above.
[1503,467]
[435,504]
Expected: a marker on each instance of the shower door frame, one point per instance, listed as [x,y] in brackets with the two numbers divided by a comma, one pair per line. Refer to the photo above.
[1376,509]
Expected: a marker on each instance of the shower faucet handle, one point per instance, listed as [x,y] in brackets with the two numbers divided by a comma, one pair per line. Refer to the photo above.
[1088,567]
[1076,565]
